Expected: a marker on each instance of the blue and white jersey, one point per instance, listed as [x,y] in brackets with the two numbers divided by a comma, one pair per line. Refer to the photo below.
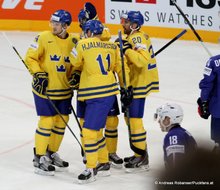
[210,85]
[178,143]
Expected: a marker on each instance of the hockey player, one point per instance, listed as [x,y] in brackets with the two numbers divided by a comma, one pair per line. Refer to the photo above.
[138,51]
[178,142]
[111,131]
[48,62]
[89,13]
[98,88]
[209,101]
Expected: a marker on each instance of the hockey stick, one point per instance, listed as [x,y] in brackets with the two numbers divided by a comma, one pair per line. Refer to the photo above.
[191,26]
[134,148]
[51,102]
[14,49]
[171,41]
[74,113]
[80,127]
[82,152]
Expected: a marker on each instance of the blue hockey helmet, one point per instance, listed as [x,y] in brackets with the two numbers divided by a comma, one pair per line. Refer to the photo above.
[134,17]
[95,26]
[90,10]
[62,16]
[82,17]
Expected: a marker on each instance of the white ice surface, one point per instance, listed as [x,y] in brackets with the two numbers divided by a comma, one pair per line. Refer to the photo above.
[180,69]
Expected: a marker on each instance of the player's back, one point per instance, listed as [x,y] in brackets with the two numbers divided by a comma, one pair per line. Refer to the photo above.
[179,136]
[98,60]
[178,143]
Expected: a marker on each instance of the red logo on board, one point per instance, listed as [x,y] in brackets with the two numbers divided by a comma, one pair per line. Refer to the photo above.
[146,1]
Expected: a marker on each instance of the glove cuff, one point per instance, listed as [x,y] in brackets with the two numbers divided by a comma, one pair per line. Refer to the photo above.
[40,74]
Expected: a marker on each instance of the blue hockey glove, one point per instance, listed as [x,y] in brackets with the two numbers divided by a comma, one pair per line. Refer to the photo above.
[125,45]
[40,82]
[74,80]
[203,108]
[126,97]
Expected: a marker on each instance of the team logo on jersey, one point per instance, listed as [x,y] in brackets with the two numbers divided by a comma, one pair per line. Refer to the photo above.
[74,40]
[54,58]
[61,68]
[67,59]
[207,71]
[146,36]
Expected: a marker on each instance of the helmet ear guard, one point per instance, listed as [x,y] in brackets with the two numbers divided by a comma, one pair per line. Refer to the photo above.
[171,110]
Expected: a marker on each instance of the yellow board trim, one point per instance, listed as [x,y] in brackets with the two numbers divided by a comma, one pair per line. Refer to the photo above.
[157,32]
[161,32]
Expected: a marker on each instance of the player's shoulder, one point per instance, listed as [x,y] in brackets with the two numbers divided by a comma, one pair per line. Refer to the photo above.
[45,34]
[42,36]
[139,39]
[74,38]
[106,35]
[177,131]
[83,43]
[214,61]
[140,34]
[84,40]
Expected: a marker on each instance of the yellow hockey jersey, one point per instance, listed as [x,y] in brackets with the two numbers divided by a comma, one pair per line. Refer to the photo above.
[105,36]
[142,64]
[98,60]
[51,54]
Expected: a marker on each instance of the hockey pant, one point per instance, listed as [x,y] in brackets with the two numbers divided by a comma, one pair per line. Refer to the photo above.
[111,133]
[49,133]
[138,134]
[95,147]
